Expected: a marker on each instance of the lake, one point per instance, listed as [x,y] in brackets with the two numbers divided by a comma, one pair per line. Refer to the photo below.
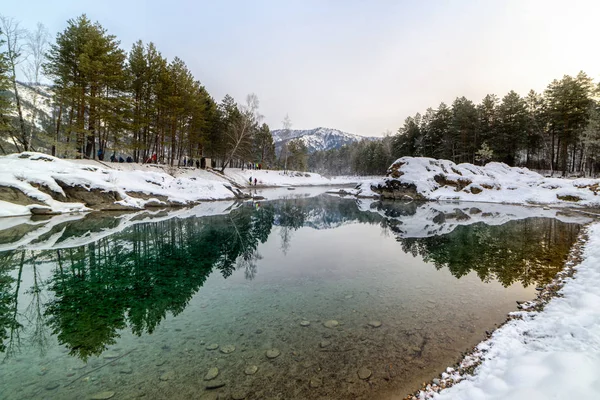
[313,296]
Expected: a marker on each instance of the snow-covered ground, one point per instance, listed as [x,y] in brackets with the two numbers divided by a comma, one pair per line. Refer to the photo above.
[44,179]
[549,354]
[432,179]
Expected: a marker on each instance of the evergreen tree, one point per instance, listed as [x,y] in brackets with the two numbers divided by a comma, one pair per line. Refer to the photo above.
[512,129]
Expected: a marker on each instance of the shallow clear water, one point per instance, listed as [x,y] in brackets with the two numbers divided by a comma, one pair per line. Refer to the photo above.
[137,312]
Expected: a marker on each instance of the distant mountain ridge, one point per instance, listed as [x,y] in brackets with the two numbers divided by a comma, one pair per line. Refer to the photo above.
[316,139]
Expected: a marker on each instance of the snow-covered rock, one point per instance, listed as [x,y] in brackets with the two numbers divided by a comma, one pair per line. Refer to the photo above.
[424,178]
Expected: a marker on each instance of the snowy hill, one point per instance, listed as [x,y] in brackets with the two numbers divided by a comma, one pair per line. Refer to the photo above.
[41,95]
[316,139]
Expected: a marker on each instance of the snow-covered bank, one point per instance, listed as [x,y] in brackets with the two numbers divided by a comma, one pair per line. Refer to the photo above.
[35,183]
[431,179]
[548,354]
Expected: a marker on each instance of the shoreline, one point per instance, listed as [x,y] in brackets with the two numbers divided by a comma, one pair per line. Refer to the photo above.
[467,366]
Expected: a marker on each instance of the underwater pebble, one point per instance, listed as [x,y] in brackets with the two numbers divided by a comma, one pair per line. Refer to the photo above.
[238,395]
[375,324]
[332,323]
[52,386]
[251,370]
[167,376]
[215,385]
[102,396]
[315,382]
[305,323]
[212,346]
[324,343]
[364,373]
[211,374]
[228,349]
[273,353]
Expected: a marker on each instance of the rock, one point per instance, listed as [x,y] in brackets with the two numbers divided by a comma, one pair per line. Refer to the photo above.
[324,343]
[315,382]
[436,381]
[52,385]
[364,373]
[167,376]
[348,296]
[332,323]
[375,324]
[228,349]
[126,371]
[109,355]
[214,385]
[211,374]
[251,370]
[239,395]
[212,346]
[258,331]
[161,363]
[305,323]
[273,353]
[102,396]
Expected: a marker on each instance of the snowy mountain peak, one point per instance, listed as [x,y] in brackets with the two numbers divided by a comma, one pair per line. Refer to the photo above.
[317,139]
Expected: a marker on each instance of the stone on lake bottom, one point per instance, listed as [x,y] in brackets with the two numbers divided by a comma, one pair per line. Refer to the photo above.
[212,346]
[375,324]
[305,323]
[211,374]
[167,376]
[103,396]
[273,353]
[315,382]
[214,385]
[238,395]
[364,373]
[332,323]
[251,370]
[52,385]
[228,349]
[324,343]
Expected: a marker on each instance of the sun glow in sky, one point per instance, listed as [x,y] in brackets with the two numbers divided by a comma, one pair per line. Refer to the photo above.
[358,66]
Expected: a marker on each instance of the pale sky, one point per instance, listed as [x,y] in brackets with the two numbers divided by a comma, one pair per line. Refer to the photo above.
[358,66]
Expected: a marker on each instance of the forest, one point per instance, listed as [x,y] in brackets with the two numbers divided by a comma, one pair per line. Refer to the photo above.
[106,101]
[557,131]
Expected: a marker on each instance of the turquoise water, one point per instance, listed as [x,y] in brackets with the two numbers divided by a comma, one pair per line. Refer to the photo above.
[353,300]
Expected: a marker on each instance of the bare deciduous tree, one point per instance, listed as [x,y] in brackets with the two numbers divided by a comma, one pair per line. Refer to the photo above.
[36,45]
[287,127]
[241,128]
[14,35]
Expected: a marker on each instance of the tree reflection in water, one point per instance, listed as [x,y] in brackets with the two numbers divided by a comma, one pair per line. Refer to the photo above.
[134,278]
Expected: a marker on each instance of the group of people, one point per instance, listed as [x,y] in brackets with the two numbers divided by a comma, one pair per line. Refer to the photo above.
[189,162]
[251,165]
[250,181]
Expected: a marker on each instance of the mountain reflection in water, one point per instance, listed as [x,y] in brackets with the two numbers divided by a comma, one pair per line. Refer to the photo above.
[136,276]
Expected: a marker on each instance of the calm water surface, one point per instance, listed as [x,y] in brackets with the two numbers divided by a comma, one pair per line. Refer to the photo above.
[136,304]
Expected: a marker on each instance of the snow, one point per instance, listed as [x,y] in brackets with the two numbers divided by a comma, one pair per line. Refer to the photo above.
[37,174]
[495,182]
[552,354]
[425,220]
[317,139]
